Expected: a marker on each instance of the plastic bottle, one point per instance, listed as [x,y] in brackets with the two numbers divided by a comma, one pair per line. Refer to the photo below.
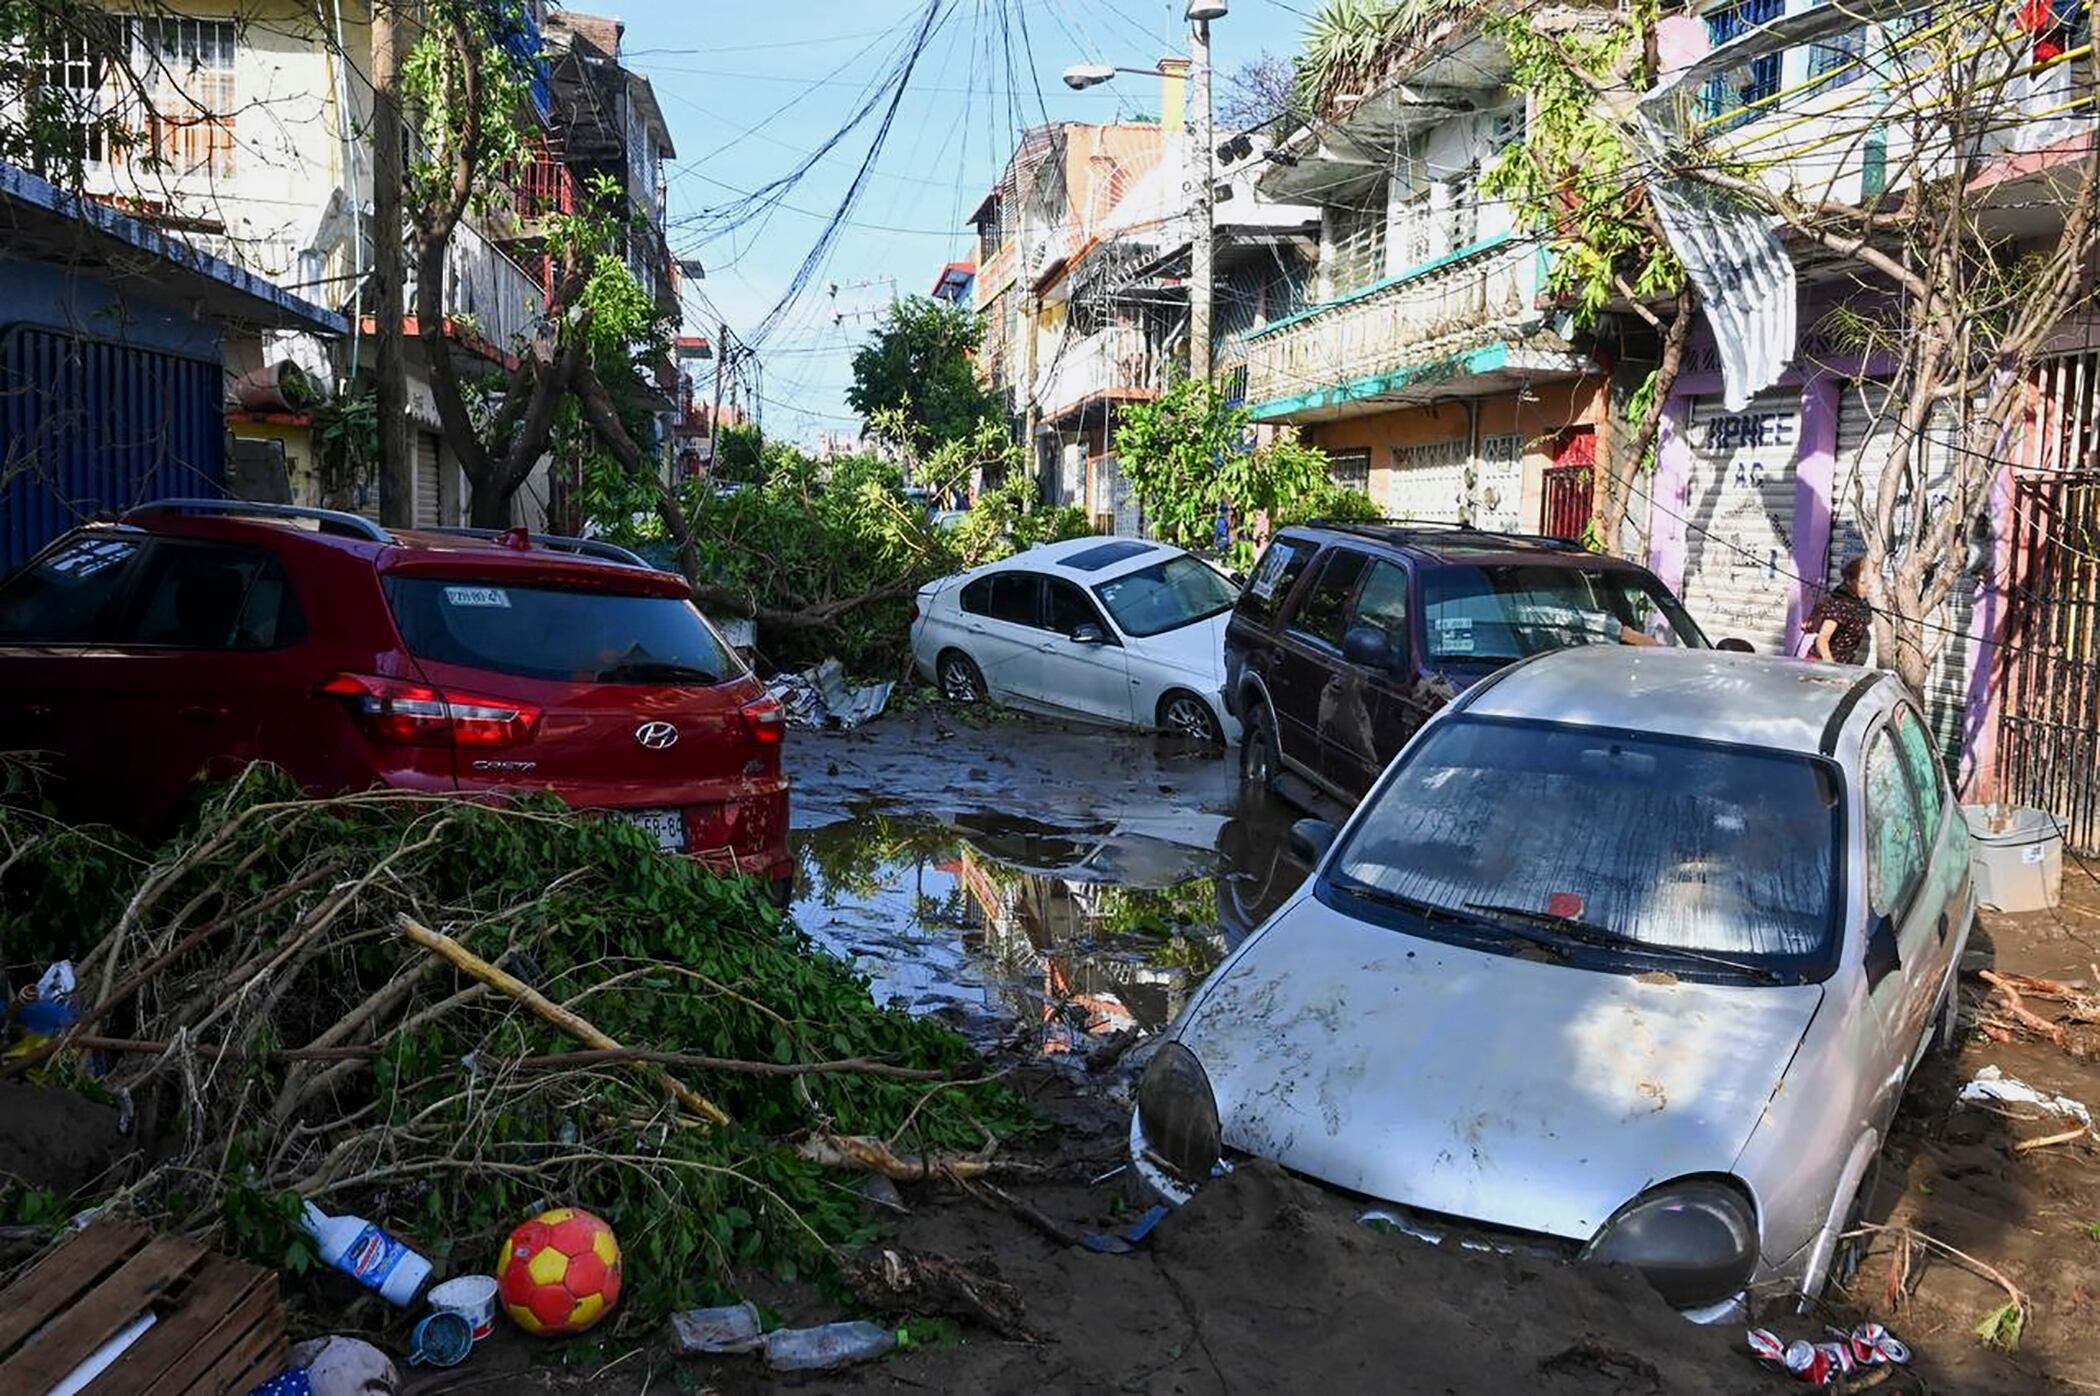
[368,1255]
[833,1345]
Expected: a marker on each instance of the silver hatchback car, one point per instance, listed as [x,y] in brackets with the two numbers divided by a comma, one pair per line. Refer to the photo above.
[1628,956]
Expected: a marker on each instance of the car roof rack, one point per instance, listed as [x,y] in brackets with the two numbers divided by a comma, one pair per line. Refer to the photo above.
[330,520]
[557,542]
[1402,529]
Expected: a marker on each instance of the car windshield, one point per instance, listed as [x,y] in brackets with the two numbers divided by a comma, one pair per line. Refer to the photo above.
[1688,846]
[1495,614]
[1166,596]
[552,633]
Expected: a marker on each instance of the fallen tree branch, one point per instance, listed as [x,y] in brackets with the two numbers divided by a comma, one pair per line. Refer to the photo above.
[863,1066]
[2029,1145]
[1962,1258]
[471,964]
[871,1155]
[2025,1016]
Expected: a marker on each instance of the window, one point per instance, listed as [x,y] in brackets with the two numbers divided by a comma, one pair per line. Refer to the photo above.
[1895,850]
[1729,849]
[1740,89]
[1357,237]
[187,71]
[548,633]
[75,72]
[1323,614]
[1068,608]
[68,596]
[1925,777]
[1839,59]
[212,597]
[1493,615]
[1383,603]
[1350,469]
[1166,596]
[1274,577]
[1106,554]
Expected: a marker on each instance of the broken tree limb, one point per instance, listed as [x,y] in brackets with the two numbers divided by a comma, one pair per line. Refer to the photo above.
[2009,993]
[871,1155]
[509,985]
[2029,1145]
[1028,1212]
[861,1066]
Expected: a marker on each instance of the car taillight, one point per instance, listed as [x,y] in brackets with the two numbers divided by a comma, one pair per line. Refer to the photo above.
[766,721]
[410,714]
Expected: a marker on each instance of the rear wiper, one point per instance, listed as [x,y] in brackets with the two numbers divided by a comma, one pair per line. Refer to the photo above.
[1590,933]
[656,671]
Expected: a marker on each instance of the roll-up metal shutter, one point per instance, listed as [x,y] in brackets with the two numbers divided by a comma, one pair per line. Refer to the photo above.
[1739,518]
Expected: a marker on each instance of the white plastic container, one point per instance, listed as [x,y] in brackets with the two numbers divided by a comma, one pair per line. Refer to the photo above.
[368,1255]
[472,1297]
[2017,857]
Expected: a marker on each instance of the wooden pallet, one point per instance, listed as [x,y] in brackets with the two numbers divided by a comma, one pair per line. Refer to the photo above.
[218,1330]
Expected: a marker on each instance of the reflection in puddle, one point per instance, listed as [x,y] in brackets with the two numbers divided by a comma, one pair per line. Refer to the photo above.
[1077,932]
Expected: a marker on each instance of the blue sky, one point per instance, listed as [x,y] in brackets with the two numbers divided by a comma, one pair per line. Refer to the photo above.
[751,88]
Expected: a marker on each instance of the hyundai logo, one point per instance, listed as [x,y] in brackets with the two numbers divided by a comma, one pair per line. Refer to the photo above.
[656,735]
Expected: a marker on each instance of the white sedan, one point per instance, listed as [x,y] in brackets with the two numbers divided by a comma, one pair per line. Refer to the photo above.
[1114,630]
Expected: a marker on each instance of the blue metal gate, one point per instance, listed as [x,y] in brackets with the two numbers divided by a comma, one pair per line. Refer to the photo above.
[91,427]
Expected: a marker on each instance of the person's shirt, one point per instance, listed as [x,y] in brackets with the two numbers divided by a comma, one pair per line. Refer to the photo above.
[1848,612]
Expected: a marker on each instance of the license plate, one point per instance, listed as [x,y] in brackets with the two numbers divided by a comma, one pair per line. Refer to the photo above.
[666,826]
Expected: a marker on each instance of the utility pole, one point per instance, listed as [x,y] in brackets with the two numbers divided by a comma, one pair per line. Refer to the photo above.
[397,471]
[1203,245]
[714,420]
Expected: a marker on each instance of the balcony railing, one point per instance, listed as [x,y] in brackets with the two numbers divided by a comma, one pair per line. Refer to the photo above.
[486,292]
[1117,361]
[1474,297]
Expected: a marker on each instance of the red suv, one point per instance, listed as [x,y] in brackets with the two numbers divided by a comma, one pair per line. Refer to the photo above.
[196,636]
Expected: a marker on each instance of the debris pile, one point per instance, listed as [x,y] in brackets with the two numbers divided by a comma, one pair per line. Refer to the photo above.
[444,1016]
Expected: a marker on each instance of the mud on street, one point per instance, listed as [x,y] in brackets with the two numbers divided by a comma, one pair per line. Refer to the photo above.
[1057,893]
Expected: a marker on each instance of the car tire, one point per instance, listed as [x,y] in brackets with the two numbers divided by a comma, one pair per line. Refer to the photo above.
[1260,759]
[1850,1249]
[960,680]
[1183,714]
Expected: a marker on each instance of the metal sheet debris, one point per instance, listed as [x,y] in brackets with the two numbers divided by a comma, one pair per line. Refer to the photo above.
[821,697]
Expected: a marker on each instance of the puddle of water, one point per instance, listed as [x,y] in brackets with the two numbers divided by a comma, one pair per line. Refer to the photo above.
[1075,930]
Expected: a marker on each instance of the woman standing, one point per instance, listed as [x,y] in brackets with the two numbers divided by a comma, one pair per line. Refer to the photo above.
[1838,624]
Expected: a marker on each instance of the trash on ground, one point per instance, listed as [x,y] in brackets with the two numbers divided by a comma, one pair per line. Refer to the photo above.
[560,1273]
[821,697]
[832,1345]
[1994,1086]
[472,1297]
[442,1338]
[368,1255]
[1129,1238]
[1826,1363]
[926,1285]
[734,1328]
[87,1303]
[341,1366]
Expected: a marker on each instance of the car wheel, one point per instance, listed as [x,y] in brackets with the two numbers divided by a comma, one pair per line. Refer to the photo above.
[960,679]
[1186,715]
[1852,1245]
[1260,762]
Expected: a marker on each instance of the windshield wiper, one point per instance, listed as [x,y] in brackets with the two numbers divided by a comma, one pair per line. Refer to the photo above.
[1590,933]
[1433,911]
[656,671]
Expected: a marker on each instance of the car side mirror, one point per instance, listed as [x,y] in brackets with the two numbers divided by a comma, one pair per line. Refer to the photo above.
[1087,633]
[1882,958]
[1368,646]
[1311,838]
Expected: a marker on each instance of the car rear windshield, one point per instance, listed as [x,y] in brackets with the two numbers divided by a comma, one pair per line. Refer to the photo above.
[1499,613]
[1726,850]
[551,633]
[1166,596]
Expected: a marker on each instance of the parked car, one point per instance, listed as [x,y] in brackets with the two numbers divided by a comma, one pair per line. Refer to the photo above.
[1627,957]
[1115,630]
[195,637]
[1348,636]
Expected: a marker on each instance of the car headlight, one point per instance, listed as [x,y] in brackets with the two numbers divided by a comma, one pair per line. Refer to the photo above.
[1179,1113]
[1695,1241]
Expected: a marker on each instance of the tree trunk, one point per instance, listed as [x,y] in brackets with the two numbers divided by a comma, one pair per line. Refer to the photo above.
[397,471]
[488,503]
[1614,500]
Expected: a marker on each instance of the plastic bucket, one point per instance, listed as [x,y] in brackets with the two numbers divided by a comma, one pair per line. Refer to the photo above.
[472,1297]
[2017,858]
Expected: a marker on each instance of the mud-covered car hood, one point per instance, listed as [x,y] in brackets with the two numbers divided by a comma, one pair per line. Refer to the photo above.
[1516,1093]
[1197,649]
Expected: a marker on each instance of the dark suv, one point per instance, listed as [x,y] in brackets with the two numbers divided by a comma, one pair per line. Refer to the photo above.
[194,637]
[1348,636]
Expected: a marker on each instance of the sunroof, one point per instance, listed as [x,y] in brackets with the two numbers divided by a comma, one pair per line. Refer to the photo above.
[1105,555]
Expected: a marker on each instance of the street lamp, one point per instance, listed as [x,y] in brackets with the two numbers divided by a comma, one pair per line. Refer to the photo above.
[1081,76]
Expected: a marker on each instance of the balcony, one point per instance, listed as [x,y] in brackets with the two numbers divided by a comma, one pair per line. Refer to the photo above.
[491,299]
[1114,364]
[1467,314]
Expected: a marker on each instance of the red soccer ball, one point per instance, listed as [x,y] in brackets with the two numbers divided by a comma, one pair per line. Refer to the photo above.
[559,1273]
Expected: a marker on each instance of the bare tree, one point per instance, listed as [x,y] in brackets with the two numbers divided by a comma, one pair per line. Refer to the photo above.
[1261,93]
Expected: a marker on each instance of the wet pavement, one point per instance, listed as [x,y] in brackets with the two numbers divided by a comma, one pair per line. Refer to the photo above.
[1011,875]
